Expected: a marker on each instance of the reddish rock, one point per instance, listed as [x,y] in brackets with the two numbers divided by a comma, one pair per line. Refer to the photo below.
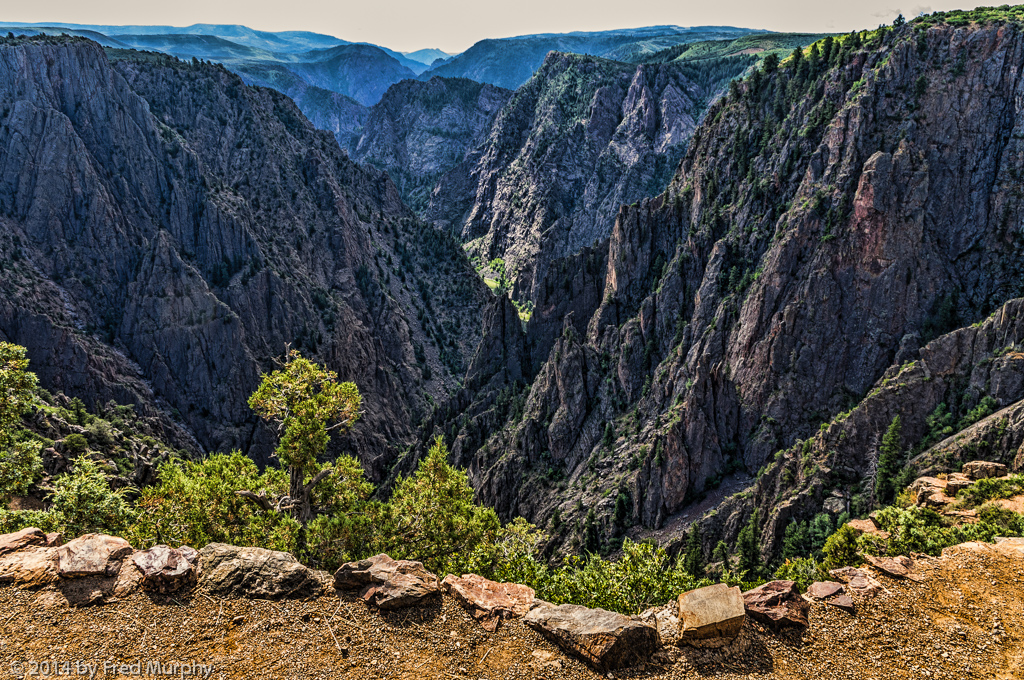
[54,540]
[165,569]
[858,581]
[863,525]
[777,604]
[823,590]
[844,602]
[387,583]
[31,566]
[92,555]
[604,639]
[21,539]
[487,601]
[711,616]
[983,469]
[888,566]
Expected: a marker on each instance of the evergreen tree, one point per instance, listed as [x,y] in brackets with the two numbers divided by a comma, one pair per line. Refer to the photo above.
[749,549]
[693,562]
[890,462]
[721,554]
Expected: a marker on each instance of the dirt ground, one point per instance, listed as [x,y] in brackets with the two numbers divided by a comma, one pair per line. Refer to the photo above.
[966,620]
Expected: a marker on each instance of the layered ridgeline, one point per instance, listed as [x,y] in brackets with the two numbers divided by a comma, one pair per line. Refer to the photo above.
[166,231]
[822,228]
[584,136]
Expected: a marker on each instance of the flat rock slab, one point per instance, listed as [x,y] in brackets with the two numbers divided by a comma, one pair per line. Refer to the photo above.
[487,601]
[92,555]
[888,566]
[844,602]
[858,582]
[983,469]
[711,615]
[256,573]
[823,590]
[165,569]
[21,539]
[31,567]
[601,638]
[777,604]
[387,583]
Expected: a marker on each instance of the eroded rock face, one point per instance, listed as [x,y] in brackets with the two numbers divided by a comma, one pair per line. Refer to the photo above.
[604,639]
[387,583]
[165,569]
[711,616]
[255,573]
[92,555]
[488,602]
[777,604]
[218,218]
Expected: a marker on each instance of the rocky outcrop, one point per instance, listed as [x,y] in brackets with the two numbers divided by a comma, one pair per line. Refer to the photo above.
[604,639]
[804,267]
[21,539]
[255,573]
[581,138]
[387,583]
[419,131]
[166,231]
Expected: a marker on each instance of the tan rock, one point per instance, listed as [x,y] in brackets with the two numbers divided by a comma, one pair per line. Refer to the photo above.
[983,469]
[487,601]
[92,555]
[858,581]
[32,566]
[255,572]
[666,620]
[957,482]
[888,566]
[21,539]
[602,638]
[711,615]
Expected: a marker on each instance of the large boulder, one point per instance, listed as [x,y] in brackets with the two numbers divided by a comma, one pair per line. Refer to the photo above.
[487,601]
[711,616]
[21,539]
[602,638]
[777,604]
[983,469]
[387,583]
[165,569]
[92,555]
[255,573]
[957,482]
[31,567]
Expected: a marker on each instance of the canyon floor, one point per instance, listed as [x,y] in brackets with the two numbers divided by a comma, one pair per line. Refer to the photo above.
[966,620]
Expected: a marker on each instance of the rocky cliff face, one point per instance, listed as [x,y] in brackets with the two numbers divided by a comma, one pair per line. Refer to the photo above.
[166,231]
[821,228]
[421,130]
[581,138]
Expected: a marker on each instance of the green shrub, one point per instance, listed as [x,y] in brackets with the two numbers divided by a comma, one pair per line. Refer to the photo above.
[84,503]
[75,443]
[20,467]
[803,570]
[840,549]
[991,489]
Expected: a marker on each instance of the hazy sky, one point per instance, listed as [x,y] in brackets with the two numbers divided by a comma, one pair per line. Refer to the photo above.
[454,25]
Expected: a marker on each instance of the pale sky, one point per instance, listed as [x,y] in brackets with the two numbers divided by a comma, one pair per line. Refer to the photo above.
[454,25]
